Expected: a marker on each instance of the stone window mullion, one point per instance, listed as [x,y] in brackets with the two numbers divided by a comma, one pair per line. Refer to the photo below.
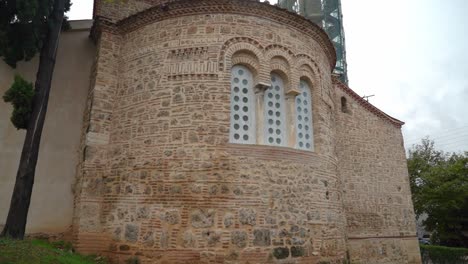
[291,118]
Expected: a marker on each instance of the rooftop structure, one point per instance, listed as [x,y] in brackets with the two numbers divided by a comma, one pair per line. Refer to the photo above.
[328,15]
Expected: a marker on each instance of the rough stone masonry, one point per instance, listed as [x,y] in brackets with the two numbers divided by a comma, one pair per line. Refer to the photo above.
[159,179]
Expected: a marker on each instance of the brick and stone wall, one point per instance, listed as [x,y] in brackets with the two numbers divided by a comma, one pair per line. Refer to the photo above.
[159,179]
[377,199]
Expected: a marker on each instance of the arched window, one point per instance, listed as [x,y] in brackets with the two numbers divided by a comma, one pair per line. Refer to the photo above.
[304,129]
[274,116]
[242,106]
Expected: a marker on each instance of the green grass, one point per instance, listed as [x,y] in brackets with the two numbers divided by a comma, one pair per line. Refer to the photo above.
[41,252]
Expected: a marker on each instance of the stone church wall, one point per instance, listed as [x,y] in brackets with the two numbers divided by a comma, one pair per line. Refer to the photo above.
[376,194]
[52,199]
[156,176]
[160,180]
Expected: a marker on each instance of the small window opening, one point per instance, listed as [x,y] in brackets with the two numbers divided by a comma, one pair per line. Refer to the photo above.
[344,105]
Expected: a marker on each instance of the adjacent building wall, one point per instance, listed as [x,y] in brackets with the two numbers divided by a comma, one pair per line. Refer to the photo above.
[376,193]
[52,199]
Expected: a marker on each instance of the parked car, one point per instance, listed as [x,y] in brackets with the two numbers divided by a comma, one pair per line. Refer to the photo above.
[425,240]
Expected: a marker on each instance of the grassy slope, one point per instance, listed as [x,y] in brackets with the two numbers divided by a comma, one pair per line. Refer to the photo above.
[38,251]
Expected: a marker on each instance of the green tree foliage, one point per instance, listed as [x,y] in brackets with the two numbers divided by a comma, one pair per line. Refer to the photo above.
[439,184]
[20,95]
[23,28]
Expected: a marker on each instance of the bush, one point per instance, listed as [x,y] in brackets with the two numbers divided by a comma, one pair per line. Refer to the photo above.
[20,95]
[443,255]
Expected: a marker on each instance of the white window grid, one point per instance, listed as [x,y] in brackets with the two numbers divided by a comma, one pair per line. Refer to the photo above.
[242,130]
[274,113]
[304,124]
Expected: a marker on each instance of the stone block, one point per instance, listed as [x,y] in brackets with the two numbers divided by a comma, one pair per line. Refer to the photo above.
[239,238]
[131,232]
[247,216]
[262,237]
[202,218]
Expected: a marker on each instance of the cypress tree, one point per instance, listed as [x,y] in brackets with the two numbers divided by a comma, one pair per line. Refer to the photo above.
[28,27]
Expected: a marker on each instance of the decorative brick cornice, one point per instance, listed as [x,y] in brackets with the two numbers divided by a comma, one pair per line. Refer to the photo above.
[368,106]
[177,8]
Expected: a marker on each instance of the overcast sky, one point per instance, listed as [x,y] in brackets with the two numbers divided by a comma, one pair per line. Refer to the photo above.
[411,55]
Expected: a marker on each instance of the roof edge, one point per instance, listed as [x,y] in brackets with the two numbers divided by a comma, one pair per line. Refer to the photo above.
[176,8]
[368,106]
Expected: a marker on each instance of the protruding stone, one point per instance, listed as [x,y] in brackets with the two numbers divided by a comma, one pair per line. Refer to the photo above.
[262,237]
[247,216]
[228,220]
[281,252]
[297,251]
[202,218]
[172,217]
[239,238]
[212,237]
[131,233]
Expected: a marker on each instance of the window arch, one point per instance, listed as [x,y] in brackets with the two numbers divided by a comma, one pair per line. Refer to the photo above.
[304,128]
[243,127]
[274,113]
